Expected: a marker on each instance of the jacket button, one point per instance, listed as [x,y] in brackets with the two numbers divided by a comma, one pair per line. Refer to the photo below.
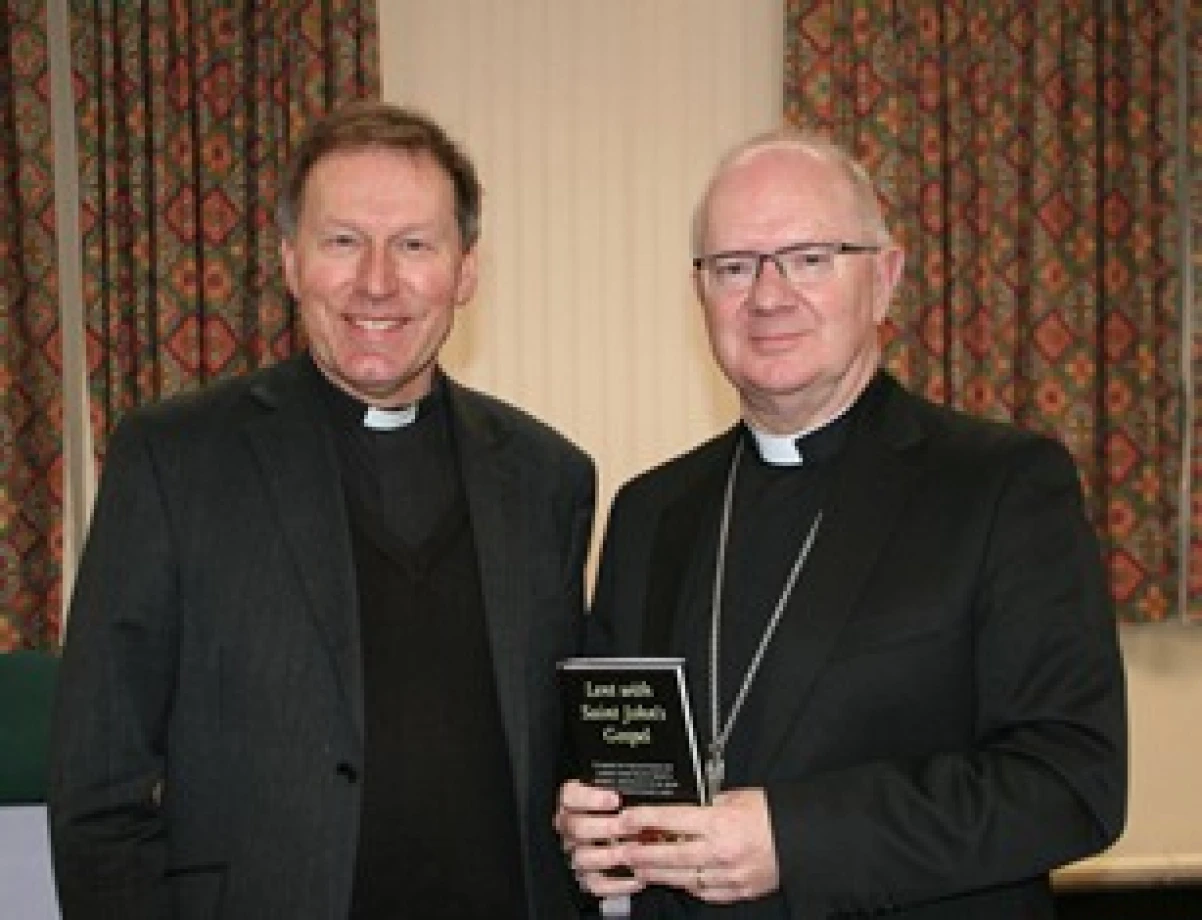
[347,771]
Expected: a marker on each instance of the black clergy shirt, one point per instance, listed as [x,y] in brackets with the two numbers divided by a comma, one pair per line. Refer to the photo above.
[438,827]
[773,510]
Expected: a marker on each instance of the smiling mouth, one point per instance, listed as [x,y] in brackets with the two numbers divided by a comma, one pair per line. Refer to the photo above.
[770,339]
[375,325]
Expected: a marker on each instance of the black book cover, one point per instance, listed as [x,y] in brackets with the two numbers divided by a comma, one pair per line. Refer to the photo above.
[630,728]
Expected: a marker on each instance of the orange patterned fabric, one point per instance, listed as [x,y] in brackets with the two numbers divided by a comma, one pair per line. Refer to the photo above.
[1029,155]
[31,433]
[186,115]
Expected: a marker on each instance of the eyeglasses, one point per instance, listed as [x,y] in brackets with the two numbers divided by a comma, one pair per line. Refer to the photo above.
[801,264]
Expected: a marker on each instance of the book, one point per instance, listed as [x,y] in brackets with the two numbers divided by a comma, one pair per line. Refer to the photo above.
[629,727]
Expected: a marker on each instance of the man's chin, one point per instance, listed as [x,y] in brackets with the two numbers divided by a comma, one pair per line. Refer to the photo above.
[392,389]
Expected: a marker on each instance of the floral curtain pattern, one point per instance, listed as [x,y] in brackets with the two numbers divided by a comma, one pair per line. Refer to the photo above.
[1027,155]
[186,115]
[31,434]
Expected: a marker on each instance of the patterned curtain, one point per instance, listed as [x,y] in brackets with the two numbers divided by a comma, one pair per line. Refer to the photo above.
[186,114]
[31,440]
[1027,151]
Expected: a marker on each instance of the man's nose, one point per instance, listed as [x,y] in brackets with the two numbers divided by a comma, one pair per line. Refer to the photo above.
[378,273]
[771,286]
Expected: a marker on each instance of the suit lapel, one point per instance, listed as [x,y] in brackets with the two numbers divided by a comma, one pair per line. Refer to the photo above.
[496,492]
[301,474]
[873,483]
[685,539]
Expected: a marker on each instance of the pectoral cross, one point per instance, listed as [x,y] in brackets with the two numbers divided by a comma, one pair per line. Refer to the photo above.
[715,772]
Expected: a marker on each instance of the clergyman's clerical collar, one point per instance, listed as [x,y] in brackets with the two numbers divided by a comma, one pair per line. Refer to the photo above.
[350,412]
[378,419]
[815,443]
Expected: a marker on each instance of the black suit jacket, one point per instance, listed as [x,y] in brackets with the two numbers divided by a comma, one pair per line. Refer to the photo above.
[940,718]
[209,726]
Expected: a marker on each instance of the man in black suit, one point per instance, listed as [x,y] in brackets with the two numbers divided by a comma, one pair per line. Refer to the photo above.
[899,640]
[309,671]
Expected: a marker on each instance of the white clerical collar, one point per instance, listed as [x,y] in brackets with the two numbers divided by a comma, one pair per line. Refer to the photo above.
[378,419]
[785,449]
[778,449]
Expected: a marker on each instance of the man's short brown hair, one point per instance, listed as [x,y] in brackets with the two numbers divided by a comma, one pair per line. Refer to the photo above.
[369,124]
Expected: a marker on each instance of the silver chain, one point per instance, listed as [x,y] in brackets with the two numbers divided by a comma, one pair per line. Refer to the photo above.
[715,765]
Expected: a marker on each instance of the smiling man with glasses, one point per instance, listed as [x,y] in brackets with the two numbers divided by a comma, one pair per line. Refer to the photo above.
[900,647]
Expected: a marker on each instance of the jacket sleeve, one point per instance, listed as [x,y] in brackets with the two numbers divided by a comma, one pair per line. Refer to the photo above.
[113,699]
[1043,781]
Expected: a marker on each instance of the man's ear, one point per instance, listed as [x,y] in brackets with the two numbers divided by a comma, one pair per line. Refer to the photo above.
[888,267]
[469,276]
[288,261]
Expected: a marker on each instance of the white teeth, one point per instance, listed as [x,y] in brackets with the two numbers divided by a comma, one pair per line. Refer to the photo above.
[376,325]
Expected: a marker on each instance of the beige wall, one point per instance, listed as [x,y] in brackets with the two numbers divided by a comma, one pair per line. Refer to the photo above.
[594,126]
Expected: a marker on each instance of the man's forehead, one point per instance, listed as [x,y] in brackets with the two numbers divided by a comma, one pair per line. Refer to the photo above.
[781,167]
[340,176]
[779,184]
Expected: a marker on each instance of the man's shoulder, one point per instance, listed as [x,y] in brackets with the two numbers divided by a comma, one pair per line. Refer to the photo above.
[967,437]
[217,404]
[495,416]
[683,473]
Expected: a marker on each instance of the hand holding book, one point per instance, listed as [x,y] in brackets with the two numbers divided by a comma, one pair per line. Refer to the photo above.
[716,853]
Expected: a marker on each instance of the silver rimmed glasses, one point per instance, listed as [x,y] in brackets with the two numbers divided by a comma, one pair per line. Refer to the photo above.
[800,264]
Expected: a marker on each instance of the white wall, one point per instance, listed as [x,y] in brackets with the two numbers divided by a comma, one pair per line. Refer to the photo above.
[594,125]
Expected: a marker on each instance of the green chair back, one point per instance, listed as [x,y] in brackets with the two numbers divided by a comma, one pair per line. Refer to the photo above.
[26,695]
